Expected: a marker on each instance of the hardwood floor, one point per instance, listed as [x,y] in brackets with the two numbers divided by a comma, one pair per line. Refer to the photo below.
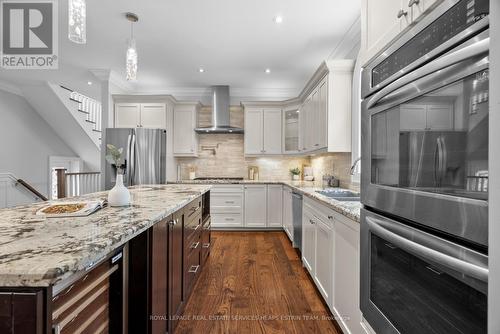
[254,282]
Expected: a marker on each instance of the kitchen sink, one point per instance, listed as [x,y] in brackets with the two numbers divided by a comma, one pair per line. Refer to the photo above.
[342,195]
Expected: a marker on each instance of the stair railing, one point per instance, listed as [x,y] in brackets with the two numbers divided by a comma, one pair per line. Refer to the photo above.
[89,106]
[77,184]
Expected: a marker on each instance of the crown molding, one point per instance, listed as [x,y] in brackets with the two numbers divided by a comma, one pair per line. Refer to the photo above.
[350,42]
[10,88]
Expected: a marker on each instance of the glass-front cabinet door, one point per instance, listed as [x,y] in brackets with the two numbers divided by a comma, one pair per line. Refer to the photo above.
[291,130]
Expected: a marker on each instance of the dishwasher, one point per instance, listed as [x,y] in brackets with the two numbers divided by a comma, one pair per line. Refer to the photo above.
[297,220]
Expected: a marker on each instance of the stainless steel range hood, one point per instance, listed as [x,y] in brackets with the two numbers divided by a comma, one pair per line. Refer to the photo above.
[220,113]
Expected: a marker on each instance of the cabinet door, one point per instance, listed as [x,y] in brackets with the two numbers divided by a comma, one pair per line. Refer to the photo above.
[274,205]
[306,124]
[255,205]
[308,241]
[413,117]
[382,23]
[287,212]
[324,258]
[184,135]
[159,265]
[346,273]
[153,116]
[302,127]
[254,131]
[314,122]
[272,131]
[439,117]
[175,268]
[127,115]
[323,114]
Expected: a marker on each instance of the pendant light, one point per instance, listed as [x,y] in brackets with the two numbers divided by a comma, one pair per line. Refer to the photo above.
[77,21]
[131,64]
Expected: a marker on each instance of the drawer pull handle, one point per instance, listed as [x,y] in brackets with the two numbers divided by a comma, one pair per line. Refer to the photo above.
[195,245]
[173,222]
[229,219]
[330,217]
[193,269]
[206,245]
[195,228]
[229,202]
[402,13]
[312,221]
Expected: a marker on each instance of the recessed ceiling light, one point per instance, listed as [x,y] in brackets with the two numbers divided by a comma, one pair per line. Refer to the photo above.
[278,19]
[268,70]
[89,83]
[201,70]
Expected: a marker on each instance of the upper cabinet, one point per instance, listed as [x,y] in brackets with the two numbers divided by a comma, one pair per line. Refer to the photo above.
[185,138]
[263,131]
[141,115]
[384,20]
[325,115]
[291,130]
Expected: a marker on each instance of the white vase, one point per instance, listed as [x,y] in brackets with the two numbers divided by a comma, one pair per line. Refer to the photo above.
[296,177]
[119,195]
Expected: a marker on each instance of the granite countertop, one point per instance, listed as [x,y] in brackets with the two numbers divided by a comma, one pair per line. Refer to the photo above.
[43,252]
[308,188]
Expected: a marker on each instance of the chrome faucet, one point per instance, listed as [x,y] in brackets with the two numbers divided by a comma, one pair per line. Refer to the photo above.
[353,167]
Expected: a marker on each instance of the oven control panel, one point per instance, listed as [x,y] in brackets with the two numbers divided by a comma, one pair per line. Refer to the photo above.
[458,18]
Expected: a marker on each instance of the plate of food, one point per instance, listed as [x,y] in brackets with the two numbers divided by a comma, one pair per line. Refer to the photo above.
[71,209]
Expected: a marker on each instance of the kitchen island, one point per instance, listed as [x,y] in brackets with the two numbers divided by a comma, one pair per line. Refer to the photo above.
[44,262]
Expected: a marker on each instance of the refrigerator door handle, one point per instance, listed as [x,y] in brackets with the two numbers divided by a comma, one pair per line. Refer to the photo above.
[127,171]
[132,161]
[444,158]
[436,163]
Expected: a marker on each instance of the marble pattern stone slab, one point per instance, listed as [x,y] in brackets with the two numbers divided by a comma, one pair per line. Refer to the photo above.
[42,252]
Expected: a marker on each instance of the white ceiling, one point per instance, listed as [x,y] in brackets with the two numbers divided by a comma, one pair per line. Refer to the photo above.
[233,40]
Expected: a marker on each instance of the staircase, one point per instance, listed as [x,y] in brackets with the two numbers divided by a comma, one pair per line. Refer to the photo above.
[15,191]
[75,117]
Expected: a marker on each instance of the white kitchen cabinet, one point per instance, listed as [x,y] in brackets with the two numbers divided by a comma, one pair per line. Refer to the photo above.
[127,115]
[272,131]
[308,240]
[153,116]
[346,274]
[291,130]
[274,205]
[288,212]
[141,115]
[322,121]
[323,274]
[304,124]
[263,131]
[185,138]
[254,132]
[226,206]
[255,205]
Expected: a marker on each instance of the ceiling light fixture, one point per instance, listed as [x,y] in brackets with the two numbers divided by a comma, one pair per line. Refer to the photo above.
[201,70]
[278,19]
[268,70]
[77,21]
[89,83]
[131,65]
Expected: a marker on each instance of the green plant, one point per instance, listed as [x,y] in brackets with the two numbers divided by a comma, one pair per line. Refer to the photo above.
[114,156]
[295,171]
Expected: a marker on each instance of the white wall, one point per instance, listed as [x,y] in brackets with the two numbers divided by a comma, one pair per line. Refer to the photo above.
[26,142]
[494,168]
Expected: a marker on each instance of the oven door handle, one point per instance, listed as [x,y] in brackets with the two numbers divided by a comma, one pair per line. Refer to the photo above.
[470,269]
[455,57]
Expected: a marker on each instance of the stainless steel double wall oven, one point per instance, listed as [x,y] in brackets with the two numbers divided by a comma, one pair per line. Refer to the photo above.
[424,232]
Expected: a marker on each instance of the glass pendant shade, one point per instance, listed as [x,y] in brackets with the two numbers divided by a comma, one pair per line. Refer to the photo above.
[131,66]
[77,21]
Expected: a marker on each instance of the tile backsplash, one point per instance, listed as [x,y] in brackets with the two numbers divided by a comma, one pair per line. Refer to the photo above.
[222,155]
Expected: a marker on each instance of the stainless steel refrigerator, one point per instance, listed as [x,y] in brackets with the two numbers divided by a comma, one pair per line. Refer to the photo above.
[144,152]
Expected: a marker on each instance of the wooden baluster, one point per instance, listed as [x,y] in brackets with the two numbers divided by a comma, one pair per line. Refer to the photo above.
[61,182]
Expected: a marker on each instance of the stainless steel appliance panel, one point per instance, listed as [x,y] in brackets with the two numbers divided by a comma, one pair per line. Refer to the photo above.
[144,154]
[413,165]
[414,282]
